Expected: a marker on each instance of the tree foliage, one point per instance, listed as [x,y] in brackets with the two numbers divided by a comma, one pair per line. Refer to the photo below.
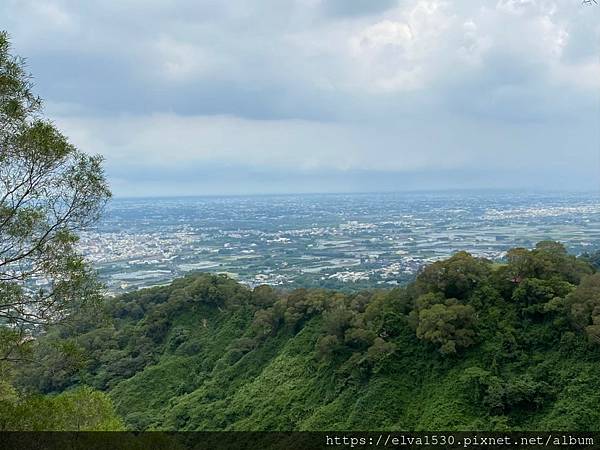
[49,191]
[82,409]
[584,304]
[444,322]
[455,277]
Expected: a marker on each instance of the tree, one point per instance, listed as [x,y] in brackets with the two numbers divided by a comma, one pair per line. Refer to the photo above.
[264,296]
[82,409]
[532,291]
[337,320]
[547,260]
[584,304]
[455,277]
[445,322]
[49,192]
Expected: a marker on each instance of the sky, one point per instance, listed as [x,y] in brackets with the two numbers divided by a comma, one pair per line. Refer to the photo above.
[209,97]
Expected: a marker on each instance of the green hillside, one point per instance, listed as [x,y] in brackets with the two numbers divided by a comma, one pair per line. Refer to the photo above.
[470,345]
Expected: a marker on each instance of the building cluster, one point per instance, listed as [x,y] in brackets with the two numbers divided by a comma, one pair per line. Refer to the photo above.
[145,244]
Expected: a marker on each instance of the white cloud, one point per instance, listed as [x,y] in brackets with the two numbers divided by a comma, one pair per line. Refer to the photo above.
[517,7]
[398,54]
[184,61]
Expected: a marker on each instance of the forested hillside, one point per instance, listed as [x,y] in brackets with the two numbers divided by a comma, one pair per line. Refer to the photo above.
[469,345]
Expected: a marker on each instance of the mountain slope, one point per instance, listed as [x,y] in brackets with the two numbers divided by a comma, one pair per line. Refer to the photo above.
[470,345]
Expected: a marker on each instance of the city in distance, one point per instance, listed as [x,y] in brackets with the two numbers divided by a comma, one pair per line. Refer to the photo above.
[341,241]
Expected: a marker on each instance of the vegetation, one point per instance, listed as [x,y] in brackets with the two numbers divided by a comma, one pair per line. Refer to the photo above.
[469,345]
[49,191]
[81,409]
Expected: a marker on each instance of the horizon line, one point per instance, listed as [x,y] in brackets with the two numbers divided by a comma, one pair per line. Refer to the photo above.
[406,191]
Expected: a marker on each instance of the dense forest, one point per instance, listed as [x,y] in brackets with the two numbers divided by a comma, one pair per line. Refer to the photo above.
[470,344]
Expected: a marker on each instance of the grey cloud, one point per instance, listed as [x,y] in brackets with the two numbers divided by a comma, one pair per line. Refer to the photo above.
[356,7]
[239,180]
[279,59]
[429,92]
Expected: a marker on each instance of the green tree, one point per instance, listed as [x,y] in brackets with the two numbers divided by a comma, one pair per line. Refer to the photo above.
[445,322]
[264,296]
[584,304]
[49,191]
[455,277]
[533,291]
[82,409]
[547,260]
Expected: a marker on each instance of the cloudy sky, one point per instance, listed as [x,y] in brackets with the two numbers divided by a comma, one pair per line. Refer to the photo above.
[226,97]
